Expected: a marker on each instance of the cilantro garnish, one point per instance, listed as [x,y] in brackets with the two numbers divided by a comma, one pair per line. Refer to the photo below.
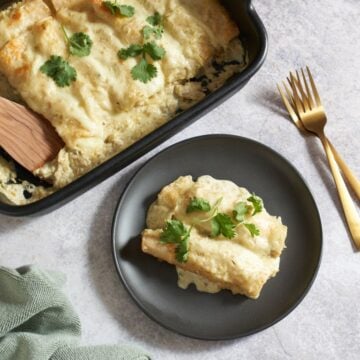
[79,44]
[59,70]
[182,250]
[132,51]
[157,28]
[143,71]
[240,210]
[198,204]
[222,224]
[175,232]
[254,231]
[155,19]
[156,52]
[157,32]
[117,9]
[257,203]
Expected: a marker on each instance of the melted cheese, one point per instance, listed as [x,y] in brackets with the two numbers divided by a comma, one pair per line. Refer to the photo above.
[242,264]
[104,111]
[186,278]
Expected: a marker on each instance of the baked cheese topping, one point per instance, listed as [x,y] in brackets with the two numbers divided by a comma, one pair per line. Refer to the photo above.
[105,109]
[242,261]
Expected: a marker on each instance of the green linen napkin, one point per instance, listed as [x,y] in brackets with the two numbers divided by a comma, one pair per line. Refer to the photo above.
[37,322]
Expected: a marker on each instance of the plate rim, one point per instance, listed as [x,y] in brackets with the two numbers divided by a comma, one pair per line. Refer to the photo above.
[139,303]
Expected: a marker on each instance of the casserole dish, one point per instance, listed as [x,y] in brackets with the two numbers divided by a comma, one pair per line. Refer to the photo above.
[254,38]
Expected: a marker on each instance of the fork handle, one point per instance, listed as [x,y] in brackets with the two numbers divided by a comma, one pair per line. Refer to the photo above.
[351,215]
[348,173]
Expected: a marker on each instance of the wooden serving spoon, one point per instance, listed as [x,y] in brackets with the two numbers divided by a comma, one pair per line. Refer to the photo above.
[27,136]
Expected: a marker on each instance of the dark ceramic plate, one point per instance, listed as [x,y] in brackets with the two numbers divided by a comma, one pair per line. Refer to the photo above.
[153,285]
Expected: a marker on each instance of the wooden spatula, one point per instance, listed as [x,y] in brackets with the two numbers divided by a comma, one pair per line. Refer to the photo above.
[26,136]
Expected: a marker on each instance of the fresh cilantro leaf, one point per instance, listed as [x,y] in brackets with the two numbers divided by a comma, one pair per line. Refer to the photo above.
[59,70]
[240,210]
[155,51]
[182,249]
[257,203]
[215,228]
[222,224]
[144,71]
[254,231]
[127,10]
[149,31]
[173,232]
[155,19]
[80,44]
[115,8]
[198,204]
[157,28]
[132,51]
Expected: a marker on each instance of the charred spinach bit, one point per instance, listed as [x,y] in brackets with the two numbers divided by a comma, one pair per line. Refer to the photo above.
[204,82]
[27,194]
[220,67]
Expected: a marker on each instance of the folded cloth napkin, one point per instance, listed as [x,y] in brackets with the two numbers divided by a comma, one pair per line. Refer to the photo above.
[37,322]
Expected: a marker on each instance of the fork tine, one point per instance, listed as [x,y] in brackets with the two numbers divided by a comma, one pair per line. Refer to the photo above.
[287,103]
[288,91]
[316,94]
[292,112]
[310,99]
[289,94]
[302,92]
[298,104]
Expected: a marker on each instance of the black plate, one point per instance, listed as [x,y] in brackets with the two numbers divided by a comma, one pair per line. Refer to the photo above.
[253,35]
[153,285]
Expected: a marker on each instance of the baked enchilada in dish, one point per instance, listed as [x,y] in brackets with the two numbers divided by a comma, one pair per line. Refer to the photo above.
[218,235]
[107,73]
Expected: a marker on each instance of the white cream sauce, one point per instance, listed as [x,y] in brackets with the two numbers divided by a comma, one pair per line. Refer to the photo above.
[185,278]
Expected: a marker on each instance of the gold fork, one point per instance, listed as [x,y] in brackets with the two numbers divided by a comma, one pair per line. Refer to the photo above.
[289,103]
[306,111]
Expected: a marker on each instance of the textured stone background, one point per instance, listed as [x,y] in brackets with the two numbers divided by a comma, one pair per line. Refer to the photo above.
[76,238]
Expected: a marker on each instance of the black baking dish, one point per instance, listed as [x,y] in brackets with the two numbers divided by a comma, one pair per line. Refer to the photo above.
[253,35]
